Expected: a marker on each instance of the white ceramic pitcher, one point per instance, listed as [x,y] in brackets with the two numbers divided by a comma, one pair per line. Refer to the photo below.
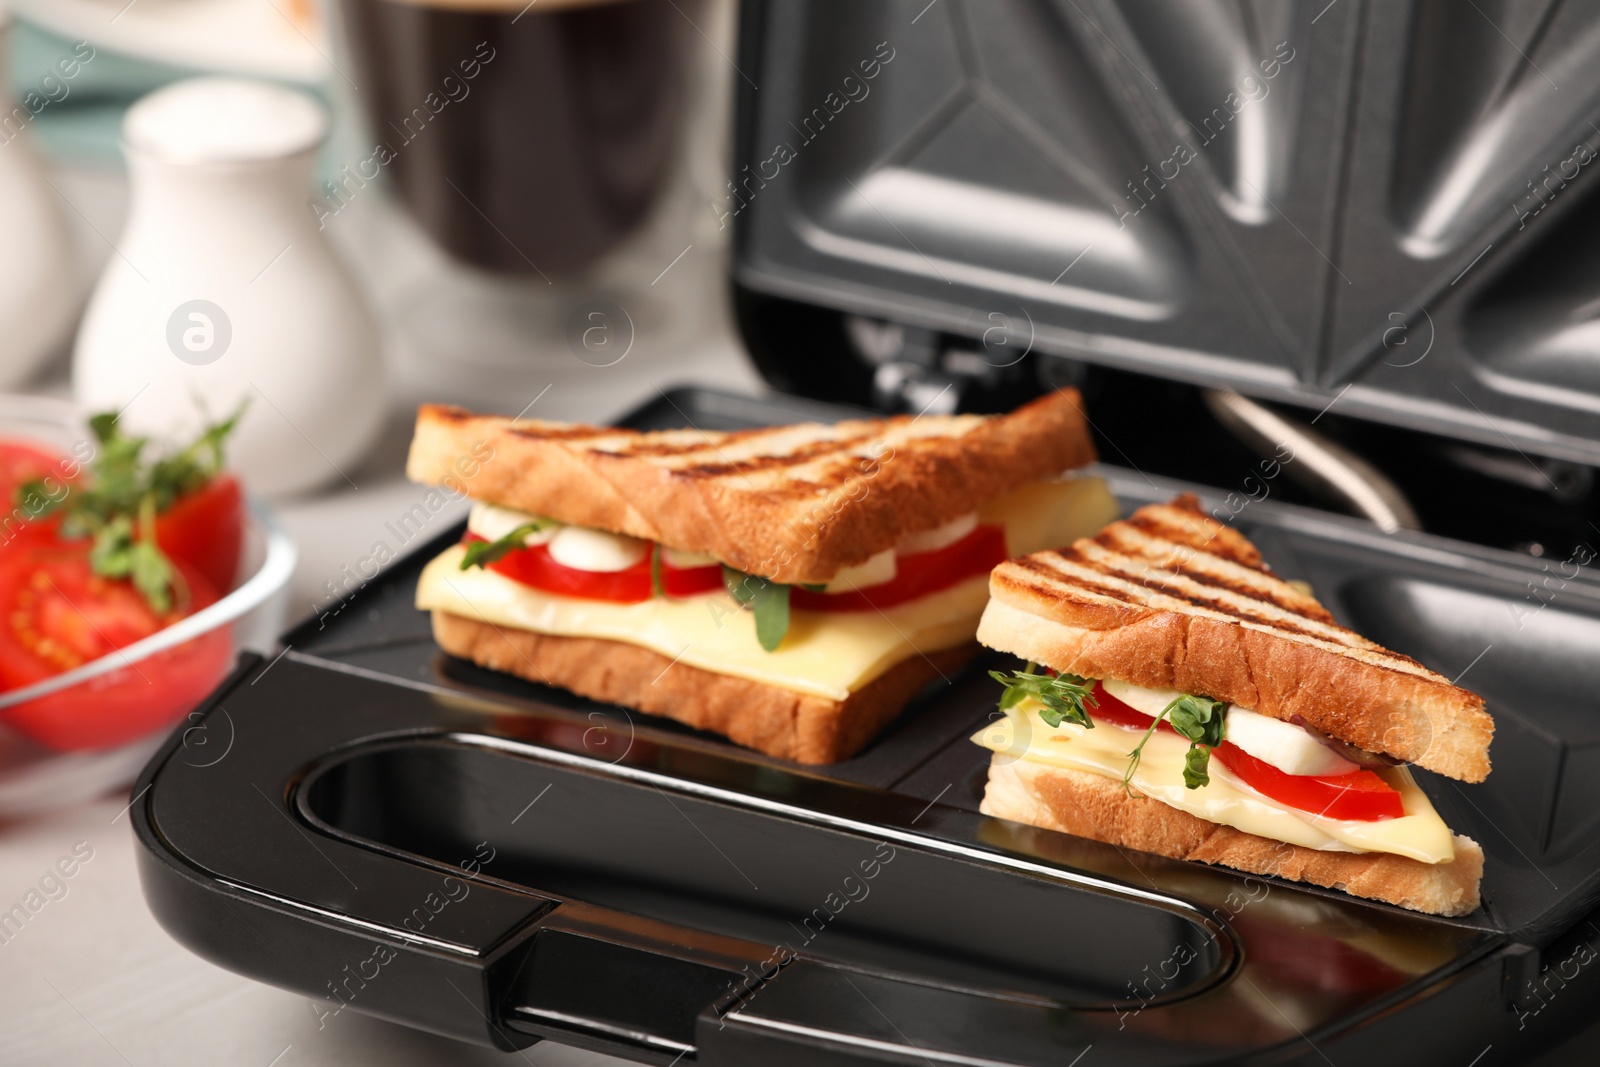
[39,286]
[222,289]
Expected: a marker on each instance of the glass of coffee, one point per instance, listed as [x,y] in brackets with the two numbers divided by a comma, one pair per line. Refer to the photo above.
[525,138]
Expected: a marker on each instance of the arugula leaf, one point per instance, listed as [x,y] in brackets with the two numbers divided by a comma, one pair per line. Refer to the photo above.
[1197,767]
[117,504]
[737,583]
[1063,695]
[35,500]
[483,553]
[111,555]
[771,607]
[657,587]
[153,575]
[769,601]
[1201,720]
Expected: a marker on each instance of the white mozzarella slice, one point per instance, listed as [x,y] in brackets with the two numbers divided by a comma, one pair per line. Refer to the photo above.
[492,522]
[938,537]
[584,549]
[685,560]
[875,571]
[1150,701]
[1282,744]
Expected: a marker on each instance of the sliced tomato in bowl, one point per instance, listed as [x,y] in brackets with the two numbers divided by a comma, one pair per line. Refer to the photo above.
[56,614]
[205,529]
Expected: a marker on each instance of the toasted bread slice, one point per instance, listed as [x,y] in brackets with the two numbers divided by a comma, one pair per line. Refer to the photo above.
[779,722]
[1092,806]
[792,503]
[1171,599]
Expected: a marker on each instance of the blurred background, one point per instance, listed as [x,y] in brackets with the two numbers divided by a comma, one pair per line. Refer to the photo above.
[484,321]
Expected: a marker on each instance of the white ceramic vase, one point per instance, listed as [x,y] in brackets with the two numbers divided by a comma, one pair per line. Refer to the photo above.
[223,290]
[39,285]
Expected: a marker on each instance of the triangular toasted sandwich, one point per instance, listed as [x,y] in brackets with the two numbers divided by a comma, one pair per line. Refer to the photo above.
[1195,705]
[789,587]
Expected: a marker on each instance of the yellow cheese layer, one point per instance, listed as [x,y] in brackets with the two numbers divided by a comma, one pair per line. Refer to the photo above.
[826,654]
[1021,734]
[823,654]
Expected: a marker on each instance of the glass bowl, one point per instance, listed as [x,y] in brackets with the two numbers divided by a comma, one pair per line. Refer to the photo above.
[34,777]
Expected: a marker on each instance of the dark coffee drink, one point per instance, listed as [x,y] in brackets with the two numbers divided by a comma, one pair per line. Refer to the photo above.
[526,141]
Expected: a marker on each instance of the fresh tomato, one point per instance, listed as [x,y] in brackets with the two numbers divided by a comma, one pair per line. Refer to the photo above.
[690,581]
[56,614]
[1360,795]
[917,575]
[536,567]
[205,529]
[21,463]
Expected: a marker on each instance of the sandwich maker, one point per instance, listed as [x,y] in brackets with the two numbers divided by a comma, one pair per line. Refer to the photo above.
[974,202]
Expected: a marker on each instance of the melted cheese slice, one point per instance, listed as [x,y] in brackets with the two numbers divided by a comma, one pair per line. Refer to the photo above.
[1419,834]
[826,654]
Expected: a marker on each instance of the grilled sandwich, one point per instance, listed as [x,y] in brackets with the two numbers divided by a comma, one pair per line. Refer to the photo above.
[1193,704]
[790,587]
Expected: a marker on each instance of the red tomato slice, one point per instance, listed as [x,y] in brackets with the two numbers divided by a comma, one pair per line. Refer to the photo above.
[55,614]
[1360,795]
[690,581]
[205,529]
[20,463]
[536,567]
[918,575]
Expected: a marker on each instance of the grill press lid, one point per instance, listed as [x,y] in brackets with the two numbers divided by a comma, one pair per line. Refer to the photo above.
[1386,207]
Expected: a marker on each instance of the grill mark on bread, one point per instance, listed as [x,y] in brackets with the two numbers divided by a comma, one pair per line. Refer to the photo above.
[1173,522]
[564,434]
[1172,584]
[1088,567]
[701,443]
[712,492]
[711,455]
[797,458]
[451,413]
[1258,583]
[1169,584]
[1047,580]
[1078,587]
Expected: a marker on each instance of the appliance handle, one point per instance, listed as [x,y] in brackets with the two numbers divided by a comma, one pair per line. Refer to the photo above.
[238,866]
